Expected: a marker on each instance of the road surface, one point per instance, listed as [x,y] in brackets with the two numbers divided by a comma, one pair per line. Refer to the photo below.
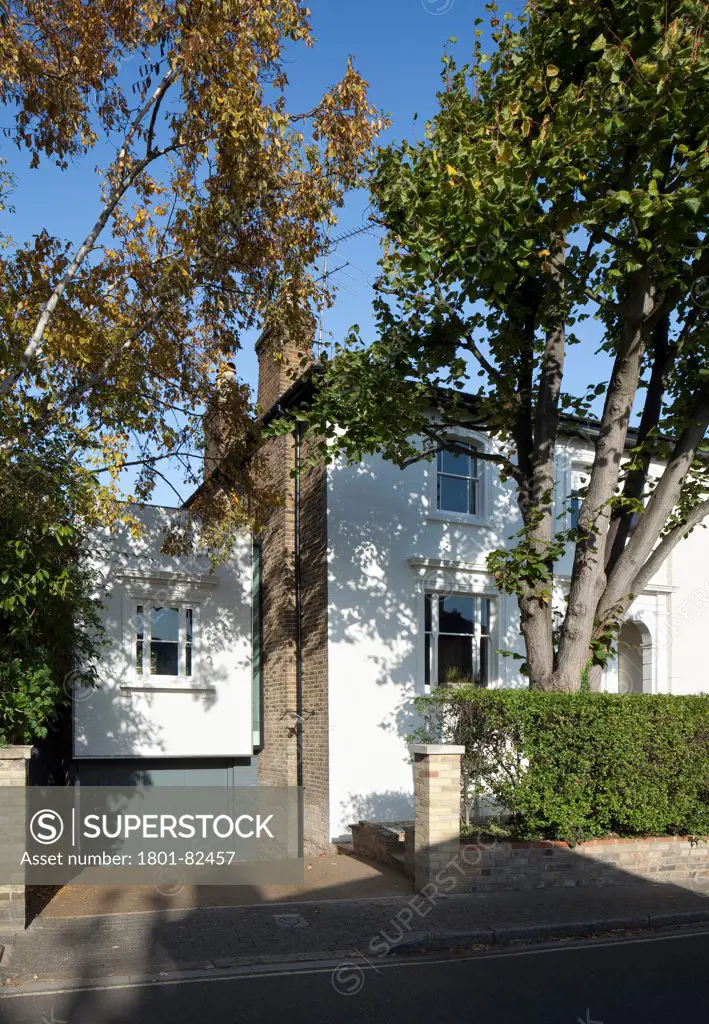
[653,981]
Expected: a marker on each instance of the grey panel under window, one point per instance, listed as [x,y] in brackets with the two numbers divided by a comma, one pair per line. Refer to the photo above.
[217,772]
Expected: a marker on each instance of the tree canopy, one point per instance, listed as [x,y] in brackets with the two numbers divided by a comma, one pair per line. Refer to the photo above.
[563,179]
[212,210]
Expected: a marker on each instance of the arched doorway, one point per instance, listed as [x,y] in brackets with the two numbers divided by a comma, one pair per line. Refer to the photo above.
[634,658]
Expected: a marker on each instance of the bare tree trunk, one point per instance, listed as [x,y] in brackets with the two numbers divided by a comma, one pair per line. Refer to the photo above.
[636,480]
[536,625]
[536,608]
[588,580]
[595,678]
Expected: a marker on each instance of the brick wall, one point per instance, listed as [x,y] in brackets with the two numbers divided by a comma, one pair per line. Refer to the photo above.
[441,860]
[313,548]
[494,867]
[281,361]
[278,760]
[14,766]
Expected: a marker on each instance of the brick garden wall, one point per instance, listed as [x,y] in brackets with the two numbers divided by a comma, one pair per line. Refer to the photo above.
[14,765]
[437,856]
[494,867]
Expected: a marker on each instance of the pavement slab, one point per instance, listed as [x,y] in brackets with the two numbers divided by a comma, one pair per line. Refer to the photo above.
[88,948]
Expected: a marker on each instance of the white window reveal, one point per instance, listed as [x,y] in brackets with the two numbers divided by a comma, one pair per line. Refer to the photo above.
[165,638]
[458,484]
[459,629]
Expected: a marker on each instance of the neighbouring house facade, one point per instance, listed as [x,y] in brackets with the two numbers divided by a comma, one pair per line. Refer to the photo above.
[297,661]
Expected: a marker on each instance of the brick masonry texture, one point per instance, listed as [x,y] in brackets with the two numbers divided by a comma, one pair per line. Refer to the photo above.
[278,761]
[437,811]
[489,867]
[14,762]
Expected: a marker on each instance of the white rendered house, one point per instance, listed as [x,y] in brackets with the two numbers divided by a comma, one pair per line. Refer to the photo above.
[297,661]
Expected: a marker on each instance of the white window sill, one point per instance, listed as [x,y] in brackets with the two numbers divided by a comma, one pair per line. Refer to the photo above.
[167,684]
[441,516]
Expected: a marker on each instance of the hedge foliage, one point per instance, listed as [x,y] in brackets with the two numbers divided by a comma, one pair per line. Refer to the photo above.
[580,765]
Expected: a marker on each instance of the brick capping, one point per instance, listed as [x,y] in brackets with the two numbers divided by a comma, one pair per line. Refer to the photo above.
[530,844]
[436,748]
[16,753]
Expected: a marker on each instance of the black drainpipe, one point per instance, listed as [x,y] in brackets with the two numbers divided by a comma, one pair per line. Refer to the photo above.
[298,641]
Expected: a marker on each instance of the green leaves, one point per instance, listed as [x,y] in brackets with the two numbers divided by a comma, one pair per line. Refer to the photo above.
[584,765]
[49,622]
[560,189]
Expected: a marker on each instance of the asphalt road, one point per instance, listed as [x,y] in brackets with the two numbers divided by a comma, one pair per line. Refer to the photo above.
[658,980]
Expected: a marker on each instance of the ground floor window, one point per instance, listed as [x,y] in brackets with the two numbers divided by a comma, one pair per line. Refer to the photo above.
[458,639]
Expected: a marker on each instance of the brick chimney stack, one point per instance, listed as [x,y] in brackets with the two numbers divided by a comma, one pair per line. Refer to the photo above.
[280,363]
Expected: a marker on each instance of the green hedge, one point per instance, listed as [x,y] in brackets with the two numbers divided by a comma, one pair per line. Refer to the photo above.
[580,765]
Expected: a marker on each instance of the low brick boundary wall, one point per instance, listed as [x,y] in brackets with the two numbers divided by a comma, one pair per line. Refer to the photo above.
[14,767]
[381,841]
[496,867]
[437,856]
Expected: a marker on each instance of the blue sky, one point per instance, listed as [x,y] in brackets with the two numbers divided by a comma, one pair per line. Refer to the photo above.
[397,45]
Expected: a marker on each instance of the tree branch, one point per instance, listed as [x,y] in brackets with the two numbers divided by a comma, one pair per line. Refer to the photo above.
[115,196]
[667,544]
[636,479]
[663,500]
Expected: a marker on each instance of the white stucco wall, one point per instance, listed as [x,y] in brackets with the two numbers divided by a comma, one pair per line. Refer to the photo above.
[209,715]
[683,634]
[387,545]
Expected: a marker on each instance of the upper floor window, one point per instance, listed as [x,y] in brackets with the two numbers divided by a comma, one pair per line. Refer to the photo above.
[574,509]
[458,483]
[164,644]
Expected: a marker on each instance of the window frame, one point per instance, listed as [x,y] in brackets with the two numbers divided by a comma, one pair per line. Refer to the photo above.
[146,677]
[165,589]
[431,661]
[480,445]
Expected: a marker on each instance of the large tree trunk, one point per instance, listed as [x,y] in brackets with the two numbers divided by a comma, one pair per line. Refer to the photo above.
[536,625]
[588,579]
[538,513]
